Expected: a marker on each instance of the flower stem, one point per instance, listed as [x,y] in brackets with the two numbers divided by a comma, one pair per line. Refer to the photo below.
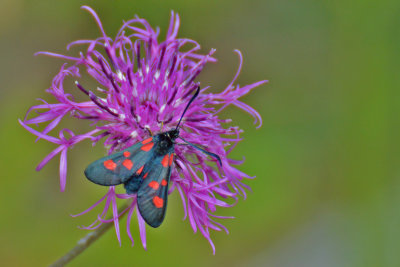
[86,241]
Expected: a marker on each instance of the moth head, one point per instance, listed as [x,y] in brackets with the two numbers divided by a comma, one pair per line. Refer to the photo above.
[173,134]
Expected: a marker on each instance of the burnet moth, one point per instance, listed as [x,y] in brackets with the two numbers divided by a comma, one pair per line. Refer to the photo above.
[145,170]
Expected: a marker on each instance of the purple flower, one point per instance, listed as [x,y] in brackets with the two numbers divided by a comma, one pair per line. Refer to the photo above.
[144,85]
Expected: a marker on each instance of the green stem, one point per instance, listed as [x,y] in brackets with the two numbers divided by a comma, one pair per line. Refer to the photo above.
[86,241]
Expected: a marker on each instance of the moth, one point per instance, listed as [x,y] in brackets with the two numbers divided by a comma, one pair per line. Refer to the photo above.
[145,170]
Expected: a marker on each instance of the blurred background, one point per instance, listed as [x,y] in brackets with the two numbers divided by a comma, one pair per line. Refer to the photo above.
[327,191]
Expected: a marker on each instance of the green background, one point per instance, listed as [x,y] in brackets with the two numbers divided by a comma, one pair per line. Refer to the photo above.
[327,191]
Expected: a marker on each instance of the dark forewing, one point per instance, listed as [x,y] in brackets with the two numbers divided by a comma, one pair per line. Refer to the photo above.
[153,193]
[119,167]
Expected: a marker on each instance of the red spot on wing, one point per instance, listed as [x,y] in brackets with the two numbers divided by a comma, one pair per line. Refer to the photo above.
[127,153]
[140,170]
[163,182]
[109,164]
[154,185]
[170,159]
[147,146]
[127,164]
[164,161]
[145,175]
[148,140]
[158,202]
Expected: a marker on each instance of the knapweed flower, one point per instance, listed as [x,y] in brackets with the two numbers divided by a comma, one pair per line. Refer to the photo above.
[143,86]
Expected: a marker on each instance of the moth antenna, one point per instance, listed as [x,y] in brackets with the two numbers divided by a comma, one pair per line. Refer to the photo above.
[204,151]
[187,106]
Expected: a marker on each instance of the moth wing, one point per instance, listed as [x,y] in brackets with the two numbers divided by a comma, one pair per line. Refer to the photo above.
[152,196]
[119,167]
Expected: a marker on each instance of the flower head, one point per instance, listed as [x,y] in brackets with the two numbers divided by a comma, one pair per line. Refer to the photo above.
[143,86]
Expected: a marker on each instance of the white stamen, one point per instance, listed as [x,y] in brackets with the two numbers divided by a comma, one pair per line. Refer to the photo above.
[114,110]
[123,98]
[165,85]
[121,76]
[178,102]
[162,108]
[134,134]
[100,89]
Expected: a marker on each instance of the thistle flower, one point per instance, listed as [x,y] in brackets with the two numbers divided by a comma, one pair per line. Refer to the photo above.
[144,85]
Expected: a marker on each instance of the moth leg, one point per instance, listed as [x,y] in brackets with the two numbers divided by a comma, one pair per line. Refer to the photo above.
[148,130]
